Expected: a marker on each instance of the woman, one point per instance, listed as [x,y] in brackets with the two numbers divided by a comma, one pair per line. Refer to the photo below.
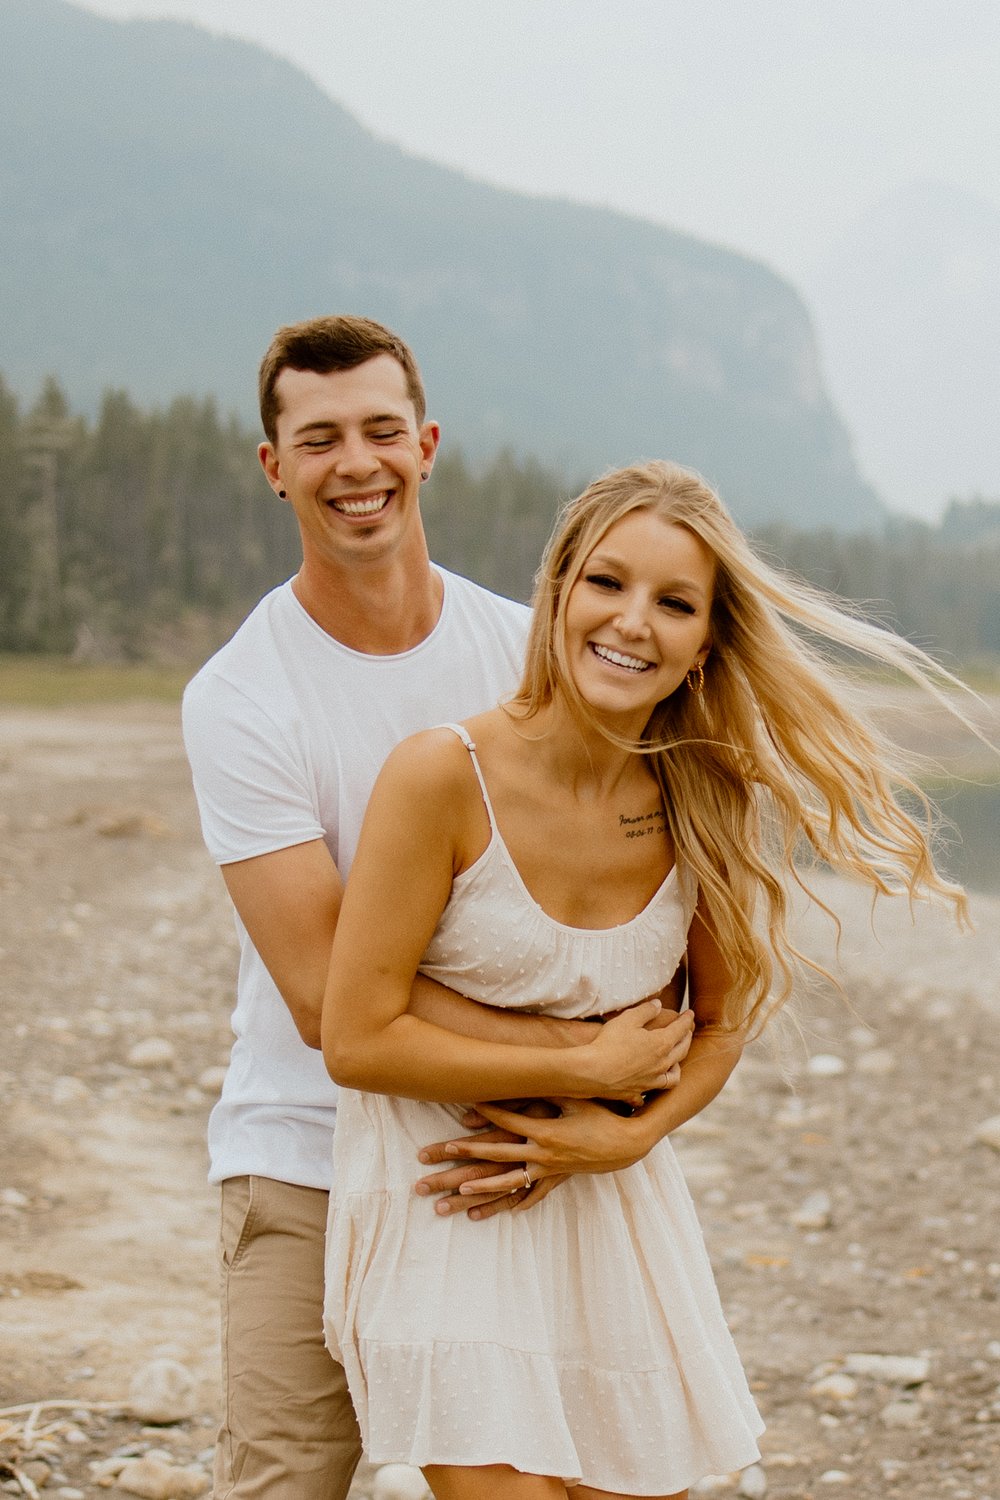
[637,804]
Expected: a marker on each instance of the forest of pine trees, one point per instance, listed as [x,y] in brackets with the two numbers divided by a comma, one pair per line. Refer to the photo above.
[144,527]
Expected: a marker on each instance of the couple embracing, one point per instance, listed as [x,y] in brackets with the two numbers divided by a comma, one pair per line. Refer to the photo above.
[561,826]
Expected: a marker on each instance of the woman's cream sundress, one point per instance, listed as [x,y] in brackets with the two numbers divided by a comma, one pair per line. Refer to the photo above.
[583,1338]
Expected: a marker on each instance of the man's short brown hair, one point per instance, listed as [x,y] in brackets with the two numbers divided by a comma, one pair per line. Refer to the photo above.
[325,344]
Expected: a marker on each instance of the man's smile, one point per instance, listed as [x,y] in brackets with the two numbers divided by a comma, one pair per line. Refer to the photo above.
[362,505]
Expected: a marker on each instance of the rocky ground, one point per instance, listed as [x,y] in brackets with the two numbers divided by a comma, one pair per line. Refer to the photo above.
[847,1179]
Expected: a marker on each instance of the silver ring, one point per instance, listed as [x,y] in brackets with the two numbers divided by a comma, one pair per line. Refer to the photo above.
[527,1178]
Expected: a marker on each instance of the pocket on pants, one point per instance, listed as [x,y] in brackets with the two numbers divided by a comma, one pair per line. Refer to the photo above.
[240,1207]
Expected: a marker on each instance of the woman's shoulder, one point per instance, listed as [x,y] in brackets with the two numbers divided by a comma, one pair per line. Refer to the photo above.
[434,761]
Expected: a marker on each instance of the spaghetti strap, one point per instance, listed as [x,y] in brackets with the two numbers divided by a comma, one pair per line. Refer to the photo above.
[470,745]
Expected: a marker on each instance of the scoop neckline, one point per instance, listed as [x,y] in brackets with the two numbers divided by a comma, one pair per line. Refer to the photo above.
[496,838]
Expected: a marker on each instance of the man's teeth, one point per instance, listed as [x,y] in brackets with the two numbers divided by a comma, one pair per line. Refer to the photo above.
[633,663]
[370,506]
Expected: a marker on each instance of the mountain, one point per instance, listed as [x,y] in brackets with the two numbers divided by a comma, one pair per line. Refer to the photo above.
[909,304]
[170,196]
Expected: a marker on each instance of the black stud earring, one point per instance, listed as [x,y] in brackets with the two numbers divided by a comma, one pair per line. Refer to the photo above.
[425,474]
[282,495]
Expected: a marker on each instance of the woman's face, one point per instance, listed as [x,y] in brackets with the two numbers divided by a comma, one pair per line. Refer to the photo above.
[637,618]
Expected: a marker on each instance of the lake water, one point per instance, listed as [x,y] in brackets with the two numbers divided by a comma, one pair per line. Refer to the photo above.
[973,851]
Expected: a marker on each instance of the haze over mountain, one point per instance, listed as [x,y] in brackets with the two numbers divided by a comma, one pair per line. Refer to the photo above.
[916,282]
[170,196]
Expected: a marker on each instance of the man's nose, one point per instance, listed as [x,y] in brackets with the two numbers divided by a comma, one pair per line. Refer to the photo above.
[356,457]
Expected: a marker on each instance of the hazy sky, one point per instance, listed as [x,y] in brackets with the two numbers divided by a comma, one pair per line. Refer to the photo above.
[769,126]
[766,125]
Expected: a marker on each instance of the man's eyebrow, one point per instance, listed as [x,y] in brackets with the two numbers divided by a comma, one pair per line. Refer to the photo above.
[329,424]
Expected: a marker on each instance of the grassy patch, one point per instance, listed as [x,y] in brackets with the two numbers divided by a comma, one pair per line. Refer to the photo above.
[54,682]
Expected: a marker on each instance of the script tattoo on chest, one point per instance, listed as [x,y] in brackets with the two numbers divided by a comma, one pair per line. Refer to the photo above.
[643,825]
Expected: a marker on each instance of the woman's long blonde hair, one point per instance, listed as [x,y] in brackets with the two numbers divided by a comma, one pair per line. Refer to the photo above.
[770,761]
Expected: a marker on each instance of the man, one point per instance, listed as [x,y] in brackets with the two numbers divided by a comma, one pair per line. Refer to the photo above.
[286,729]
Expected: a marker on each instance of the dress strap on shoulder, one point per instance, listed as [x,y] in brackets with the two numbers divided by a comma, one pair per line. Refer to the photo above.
[470,745]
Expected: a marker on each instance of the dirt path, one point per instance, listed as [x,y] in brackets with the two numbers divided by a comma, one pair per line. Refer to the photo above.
[848,1206]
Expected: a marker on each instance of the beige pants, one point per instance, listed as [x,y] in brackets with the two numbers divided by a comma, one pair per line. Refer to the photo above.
[288,1429]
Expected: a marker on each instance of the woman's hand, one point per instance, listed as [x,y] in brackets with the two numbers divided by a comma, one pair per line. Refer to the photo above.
[636,1050]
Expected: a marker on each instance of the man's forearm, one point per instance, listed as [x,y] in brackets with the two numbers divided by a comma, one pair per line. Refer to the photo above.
[453,1012]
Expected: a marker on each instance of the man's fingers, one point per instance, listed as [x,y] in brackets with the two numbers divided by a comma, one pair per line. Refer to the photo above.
[450,1180]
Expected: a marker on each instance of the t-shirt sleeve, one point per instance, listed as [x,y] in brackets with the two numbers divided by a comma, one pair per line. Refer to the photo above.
[251,778]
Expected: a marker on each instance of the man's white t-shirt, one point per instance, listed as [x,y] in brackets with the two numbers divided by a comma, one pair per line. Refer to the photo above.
[286,730]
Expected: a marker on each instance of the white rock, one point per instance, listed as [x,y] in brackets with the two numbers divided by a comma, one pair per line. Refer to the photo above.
[836,1387]
[212,1079]
[154,1052]
[753,1483]
[815,1213]
[107,1468]
[902,1414]
[154,1479]
[988,1133]
[712,1484]
[68,1492]
[895,1369]
[826,1065]
[67,1090]
[835,1476]
[161,1391]
[399,1482]
[14,1198]
[879,1061]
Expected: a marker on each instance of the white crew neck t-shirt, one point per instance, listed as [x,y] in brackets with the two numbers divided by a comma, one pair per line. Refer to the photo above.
[286,730]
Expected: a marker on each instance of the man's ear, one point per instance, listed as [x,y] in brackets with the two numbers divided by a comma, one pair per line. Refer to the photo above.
[428,438]
[272,469]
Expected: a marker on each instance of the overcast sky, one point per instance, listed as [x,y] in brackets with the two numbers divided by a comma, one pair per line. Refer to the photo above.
[769,126]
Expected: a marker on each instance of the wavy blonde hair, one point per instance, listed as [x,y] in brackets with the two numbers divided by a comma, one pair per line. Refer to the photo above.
[772,760]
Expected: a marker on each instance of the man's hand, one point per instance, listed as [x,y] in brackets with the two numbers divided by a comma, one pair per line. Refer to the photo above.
[550,1139]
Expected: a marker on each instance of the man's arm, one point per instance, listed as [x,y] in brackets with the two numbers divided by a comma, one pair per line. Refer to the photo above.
[289,902]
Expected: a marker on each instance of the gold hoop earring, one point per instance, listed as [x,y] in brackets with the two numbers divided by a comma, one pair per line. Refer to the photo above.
[696,683]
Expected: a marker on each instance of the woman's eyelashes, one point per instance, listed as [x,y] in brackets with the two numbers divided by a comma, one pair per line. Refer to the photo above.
[614,585]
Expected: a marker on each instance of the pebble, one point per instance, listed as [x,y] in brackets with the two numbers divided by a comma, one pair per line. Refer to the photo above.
[753,1483]
[14,1198]
[67,1492]
[399,1482]
[835,1476]
[815,1213]
[161,1391]
[712,1484]
[835,1388]
[154,1052]
[902,1414]
[155,1479]
[826,1065]
[212,1079]
[988,1133]
[896,1369]
[67,1090]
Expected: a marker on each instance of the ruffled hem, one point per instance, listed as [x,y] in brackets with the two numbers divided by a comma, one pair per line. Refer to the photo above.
[634,1433]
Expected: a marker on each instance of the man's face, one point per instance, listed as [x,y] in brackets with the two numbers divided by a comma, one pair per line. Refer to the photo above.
[349,454]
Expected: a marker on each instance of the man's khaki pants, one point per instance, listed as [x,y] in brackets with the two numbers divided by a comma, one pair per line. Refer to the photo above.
[288,1429]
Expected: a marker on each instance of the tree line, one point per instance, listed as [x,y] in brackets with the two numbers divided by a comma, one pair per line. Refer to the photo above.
[144,531]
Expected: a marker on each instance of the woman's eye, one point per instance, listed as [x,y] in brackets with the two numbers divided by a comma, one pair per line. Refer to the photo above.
[603,581]
[681,605]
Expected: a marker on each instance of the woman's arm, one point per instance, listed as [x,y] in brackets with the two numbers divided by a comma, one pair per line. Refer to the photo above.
[586,1137]
[412,843]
